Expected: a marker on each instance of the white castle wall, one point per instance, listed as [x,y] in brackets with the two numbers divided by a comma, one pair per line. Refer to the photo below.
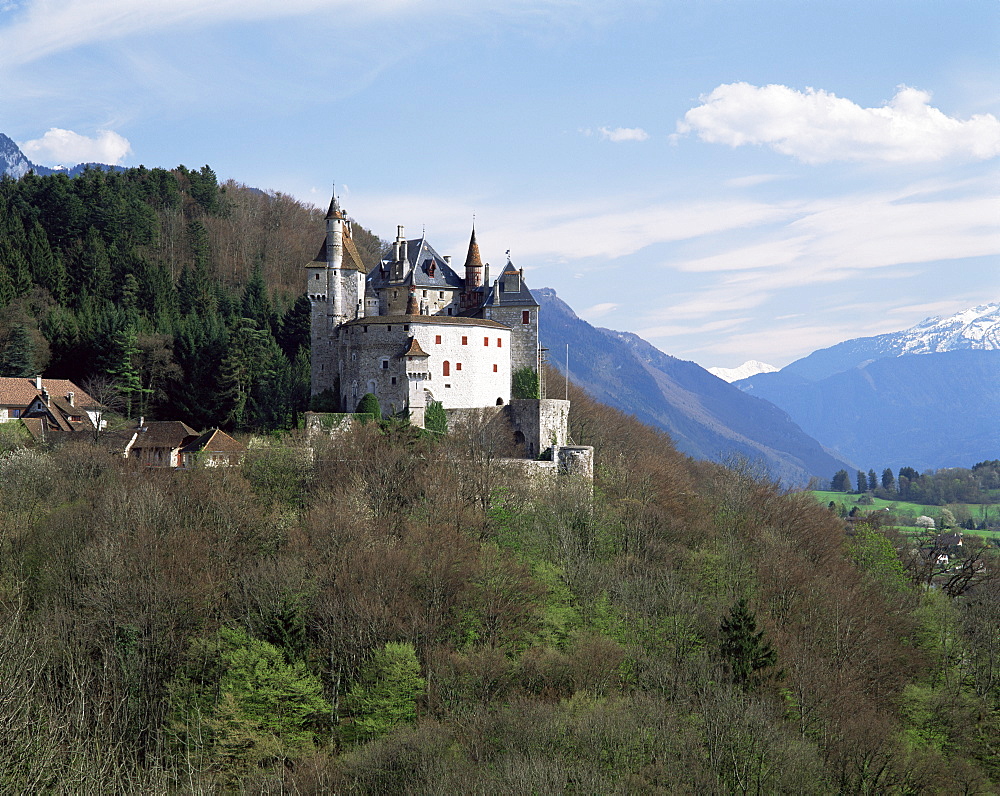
[478,374]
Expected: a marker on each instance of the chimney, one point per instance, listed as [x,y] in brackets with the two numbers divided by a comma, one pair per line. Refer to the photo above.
[45,396]
[70,396]
[38,382]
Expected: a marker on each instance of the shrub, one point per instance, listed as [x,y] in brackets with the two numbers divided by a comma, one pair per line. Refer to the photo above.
[526,383]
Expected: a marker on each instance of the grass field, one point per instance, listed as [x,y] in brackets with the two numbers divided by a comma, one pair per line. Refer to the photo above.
[916,509]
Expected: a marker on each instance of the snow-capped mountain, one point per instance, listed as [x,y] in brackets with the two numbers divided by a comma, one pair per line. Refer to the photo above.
[12,159]
[928,396]
[977,328]
[13,163]
[749,368]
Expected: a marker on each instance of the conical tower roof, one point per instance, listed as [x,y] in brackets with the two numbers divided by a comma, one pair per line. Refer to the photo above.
[473,260]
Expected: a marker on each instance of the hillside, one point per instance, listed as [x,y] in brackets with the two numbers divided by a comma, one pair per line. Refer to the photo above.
[387,613]
[706,417]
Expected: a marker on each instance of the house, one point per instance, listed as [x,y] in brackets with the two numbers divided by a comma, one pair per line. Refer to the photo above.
[158,443]
[59,403]
[214,448]
[413,330]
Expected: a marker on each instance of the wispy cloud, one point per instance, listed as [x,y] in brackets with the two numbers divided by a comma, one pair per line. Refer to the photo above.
[621,134]
[66,147]
[598,310]
[816,126]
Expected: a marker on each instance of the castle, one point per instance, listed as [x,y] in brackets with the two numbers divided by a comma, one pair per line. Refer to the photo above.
[413,330]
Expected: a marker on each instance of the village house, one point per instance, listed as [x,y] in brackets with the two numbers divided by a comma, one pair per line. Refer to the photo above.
[48,406]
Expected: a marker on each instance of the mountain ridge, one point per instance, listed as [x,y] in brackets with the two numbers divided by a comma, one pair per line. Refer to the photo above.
[706,417]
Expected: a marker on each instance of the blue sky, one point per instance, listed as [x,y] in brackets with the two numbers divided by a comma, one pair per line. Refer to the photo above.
[730,180]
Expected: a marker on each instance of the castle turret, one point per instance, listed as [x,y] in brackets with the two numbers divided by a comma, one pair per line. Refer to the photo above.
[473,265]
[335,220]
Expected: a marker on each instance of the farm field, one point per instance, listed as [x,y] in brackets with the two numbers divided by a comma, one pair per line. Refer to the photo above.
[905,510]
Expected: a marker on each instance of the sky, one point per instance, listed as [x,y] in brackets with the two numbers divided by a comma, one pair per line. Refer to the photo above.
[728,179]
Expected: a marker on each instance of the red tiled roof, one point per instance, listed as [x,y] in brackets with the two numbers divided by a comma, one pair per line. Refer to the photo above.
[17,391]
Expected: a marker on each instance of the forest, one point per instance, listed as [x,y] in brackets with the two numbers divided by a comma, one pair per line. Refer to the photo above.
[977,484]
[385,610]
[179,297]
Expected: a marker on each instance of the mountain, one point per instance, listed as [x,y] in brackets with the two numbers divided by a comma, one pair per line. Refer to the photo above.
[977,329]
[12,159]
[706,417]
[927,397]
[14,164]
[749,368]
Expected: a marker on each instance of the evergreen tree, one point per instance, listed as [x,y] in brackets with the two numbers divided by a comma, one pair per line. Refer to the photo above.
[256,305]
[862,482]
[124,370]
[369,405]
[296,327]
[743,647]
[238,704]
[435,418]
[18,357]
[94,277]
[888,481]
[872,481]
[841,481]
[386,693]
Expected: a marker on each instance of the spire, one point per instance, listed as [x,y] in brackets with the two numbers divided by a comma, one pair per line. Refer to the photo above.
[412,307]
[334,210]
[473,260]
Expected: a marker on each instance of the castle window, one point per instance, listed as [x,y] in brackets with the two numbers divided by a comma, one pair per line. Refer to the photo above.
[465,340]
[366,329]
[406,327]
[425,293]
[437,339]
[458,366]
[449,310]
[317,277]
[393,379]
[446,368]
[525,316]
[499,342]
[486,341]
[494,368]
[441,294]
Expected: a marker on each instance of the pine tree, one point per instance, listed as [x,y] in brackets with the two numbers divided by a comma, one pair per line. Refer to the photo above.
[862,482]
[386,694]
[744,647]
[124,369]
[18,357]
[872,481]
[888,481]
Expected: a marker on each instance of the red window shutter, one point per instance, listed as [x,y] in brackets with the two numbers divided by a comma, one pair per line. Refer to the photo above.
[486,341]
[465,341]
[458,366]
[445,368]
[494,368]
[437,339]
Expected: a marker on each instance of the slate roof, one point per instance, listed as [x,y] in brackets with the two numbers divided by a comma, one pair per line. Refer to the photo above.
[495,293]
[417,272]
[16,391]
[352,259]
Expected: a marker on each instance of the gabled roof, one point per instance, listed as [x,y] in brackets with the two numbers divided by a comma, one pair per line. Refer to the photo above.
[214,441]
[417,269]
[497,294]
[17,391]
[164,434]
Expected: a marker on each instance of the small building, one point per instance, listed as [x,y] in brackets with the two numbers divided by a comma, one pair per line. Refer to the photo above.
[59,404]
[214,448]
[158,443]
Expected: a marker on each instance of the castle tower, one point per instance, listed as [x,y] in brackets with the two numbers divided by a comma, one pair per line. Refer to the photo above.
[335,220]
[473,265]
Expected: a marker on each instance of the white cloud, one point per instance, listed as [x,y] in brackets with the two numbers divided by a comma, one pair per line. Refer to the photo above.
[621,134]
[68,148]
[816,126]
[598,310]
